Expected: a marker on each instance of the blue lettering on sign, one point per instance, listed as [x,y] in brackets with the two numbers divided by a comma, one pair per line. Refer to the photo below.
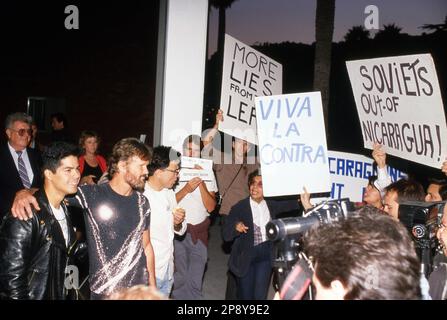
[292,128]
[359,169]
[336,190]
[349,167]
[396,174]
[330,165]
[296,152]
[292,109]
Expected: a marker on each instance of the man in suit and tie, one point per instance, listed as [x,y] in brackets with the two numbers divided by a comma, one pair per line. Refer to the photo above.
[251,255]
[20,165]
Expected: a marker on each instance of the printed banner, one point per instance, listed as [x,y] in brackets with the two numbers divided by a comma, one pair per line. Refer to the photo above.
[350,173]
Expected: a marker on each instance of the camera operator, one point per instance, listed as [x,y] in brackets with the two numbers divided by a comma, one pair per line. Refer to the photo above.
[401,190]
[368,256]
[438,278]
[436,190]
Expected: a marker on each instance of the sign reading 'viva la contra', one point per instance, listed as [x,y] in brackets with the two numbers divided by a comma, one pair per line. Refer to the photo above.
[399,106]
[246,74]
[292,144]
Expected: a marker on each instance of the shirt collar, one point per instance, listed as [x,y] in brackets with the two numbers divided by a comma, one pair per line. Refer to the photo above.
[14,152]
[260,204]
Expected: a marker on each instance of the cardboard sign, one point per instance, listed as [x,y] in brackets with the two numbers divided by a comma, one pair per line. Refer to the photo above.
[246,74]
[292,144]
[350,173]
[399,105]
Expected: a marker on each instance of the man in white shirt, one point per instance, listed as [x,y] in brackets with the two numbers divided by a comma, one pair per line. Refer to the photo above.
[198,198]
[166,217]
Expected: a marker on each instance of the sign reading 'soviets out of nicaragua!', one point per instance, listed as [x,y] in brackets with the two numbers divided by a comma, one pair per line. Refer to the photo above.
[400,106]
[246,74]
[292,144]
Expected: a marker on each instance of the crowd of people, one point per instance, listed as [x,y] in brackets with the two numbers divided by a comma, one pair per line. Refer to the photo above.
[146,232]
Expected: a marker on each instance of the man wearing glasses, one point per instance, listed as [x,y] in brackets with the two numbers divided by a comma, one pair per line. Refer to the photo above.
[166,217]
[20,166]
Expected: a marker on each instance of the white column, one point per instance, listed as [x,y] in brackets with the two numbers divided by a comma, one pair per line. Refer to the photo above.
[180,70]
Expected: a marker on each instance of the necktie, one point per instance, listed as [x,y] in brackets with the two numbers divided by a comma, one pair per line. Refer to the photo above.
[22,171]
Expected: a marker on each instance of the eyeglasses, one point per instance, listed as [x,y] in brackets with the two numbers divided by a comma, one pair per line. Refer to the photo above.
[177,171]
[22,132]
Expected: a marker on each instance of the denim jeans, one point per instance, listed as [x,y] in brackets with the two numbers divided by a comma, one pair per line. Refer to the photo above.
[164,284]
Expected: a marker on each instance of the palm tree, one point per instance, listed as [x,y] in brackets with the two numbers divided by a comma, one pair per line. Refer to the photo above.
[436,27]
[357,33]
[390,32]
[222,6]
[324,30]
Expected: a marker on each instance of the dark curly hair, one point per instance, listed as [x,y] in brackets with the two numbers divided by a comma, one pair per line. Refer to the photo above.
[55,152]
[162,157]
[407,190]
[371,254]
[125,149]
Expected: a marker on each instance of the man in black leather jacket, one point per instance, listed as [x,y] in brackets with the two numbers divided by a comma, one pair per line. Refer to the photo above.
[35,253]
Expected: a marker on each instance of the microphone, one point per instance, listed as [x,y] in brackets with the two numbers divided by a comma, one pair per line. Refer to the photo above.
[326,212]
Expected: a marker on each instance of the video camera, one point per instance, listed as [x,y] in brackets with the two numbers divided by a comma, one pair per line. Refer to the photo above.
[286,233]
[422,220]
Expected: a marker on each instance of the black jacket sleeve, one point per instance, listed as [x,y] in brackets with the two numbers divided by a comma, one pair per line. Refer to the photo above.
[229,231]
[15,256]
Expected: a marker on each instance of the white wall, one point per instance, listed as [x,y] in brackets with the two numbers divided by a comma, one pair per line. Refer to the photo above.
[180,100]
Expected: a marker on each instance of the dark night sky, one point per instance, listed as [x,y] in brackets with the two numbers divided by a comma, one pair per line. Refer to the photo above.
[276,21]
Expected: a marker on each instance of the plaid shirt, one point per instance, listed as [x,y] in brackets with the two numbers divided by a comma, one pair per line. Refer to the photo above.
[257,235]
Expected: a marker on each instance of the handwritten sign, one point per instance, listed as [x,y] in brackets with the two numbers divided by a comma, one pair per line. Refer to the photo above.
[400,106]
[292,144]
[246,74]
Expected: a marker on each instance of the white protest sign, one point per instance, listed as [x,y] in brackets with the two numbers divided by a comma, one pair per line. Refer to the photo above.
[399,105]
[350,173]
[190,162]
[246,74]
[292,144]
[187,172]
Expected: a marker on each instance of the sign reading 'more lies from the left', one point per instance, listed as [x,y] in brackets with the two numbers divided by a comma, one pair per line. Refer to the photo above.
[400,106]
[292,144]
[246,74]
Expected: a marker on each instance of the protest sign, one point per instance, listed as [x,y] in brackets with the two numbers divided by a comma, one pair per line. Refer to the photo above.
[246,74]
[399,106]
[187,172]
[292,144]
[350,173]
[190,162]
